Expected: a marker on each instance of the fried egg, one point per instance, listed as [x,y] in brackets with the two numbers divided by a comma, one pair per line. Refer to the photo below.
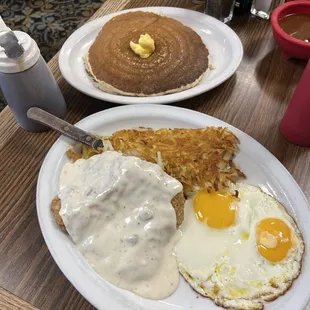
[239,248]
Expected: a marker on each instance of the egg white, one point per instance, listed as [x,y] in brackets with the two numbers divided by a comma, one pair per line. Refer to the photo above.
[225,265]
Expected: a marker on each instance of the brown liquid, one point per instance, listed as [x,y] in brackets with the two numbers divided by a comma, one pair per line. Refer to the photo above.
[297,26]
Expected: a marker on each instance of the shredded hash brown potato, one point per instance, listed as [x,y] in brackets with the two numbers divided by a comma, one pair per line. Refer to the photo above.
[198,158]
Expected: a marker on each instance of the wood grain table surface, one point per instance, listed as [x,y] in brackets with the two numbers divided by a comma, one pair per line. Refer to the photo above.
[253,100]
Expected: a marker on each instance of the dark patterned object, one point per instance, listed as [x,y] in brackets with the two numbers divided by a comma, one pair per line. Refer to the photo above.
[49,22]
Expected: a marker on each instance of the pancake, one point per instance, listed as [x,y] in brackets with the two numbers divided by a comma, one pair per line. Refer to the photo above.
[179,61]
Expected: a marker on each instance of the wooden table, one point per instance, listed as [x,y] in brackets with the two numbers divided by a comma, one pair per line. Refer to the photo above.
[253,100]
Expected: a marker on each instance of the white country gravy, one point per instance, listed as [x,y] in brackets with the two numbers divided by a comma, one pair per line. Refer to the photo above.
[118,211]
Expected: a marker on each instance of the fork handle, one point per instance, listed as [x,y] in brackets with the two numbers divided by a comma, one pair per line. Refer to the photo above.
[65,128]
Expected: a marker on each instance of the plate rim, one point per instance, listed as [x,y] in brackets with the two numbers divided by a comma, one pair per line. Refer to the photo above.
[164,99]
[101,114]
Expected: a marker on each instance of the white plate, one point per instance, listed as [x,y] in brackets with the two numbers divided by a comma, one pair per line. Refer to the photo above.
[261,167]
[225,48]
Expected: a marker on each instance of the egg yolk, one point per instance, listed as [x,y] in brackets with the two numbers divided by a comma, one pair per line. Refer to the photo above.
[273,239]
[215,208]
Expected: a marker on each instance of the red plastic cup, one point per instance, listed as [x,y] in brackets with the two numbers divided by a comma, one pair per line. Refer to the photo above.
[295,125]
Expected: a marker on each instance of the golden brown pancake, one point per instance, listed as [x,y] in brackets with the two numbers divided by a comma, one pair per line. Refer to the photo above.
[179,61]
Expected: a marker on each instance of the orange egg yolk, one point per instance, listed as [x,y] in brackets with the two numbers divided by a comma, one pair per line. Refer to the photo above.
[217,209]
[273,239]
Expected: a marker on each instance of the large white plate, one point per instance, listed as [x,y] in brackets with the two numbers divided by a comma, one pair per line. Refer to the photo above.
[261,167]
[224,45]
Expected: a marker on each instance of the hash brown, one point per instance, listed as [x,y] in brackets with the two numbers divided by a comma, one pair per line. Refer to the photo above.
[198,158]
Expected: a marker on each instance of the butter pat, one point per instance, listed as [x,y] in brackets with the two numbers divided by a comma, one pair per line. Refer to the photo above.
[145,46]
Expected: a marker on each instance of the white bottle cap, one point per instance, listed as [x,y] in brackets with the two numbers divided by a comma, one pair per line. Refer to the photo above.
[26,61]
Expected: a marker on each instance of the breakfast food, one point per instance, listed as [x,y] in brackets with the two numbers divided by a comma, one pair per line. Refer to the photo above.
[232,243]
[177,203]
[199,158]
[117,210]
[55,208]
[247,248]
[145,54]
